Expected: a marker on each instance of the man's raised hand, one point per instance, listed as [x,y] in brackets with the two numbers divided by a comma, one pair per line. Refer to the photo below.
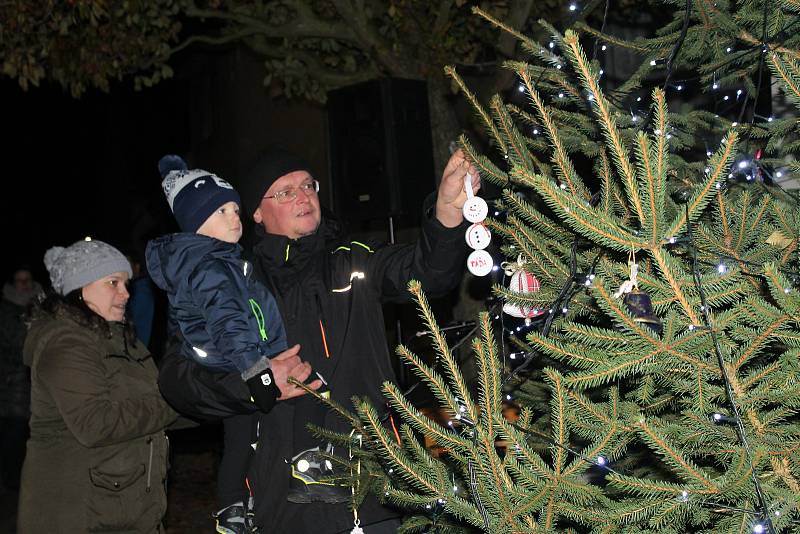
[451,195]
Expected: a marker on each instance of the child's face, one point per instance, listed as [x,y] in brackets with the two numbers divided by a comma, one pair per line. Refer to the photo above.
[224,224]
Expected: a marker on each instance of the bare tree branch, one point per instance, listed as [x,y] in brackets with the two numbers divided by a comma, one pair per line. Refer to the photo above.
[518,13]
[213,40]
[315,68]
[442,16]
[304,26]
[371,41]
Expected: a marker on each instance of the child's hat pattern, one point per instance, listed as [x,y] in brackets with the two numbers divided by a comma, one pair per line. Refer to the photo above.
[193,195]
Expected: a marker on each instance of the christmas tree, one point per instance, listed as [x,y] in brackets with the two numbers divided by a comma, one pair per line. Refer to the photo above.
[650,330]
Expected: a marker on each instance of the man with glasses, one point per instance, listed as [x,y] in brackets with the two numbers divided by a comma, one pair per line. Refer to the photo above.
[330,291]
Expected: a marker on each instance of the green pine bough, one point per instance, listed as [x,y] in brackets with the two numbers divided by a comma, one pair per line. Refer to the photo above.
[621,426]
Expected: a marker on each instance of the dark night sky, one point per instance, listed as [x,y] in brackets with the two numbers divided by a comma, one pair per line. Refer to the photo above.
[88,166]
[77,167]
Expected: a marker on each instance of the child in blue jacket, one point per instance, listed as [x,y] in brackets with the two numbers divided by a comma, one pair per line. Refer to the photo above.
[228,321]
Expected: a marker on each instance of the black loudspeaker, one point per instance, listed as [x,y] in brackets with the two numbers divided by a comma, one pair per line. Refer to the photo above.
[381,151]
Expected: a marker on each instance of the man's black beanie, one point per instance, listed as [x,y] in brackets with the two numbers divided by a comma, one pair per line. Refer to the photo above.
[253,183]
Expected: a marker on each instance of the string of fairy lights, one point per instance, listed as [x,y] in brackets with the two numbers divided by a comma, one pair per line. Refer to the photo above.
[751,167]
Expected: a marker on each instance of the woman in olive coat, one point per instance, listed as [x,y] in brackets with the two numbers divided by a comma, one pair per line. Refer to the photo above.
[97,454]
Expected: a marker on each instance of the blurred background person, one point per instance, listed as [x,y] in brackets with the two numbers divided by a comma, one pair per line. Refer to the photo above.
[15,383]
[142,304]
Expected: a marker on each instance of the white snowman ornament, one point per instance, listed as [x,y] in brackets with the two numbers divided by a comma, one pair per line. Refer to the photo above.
[475,208]
[478,236]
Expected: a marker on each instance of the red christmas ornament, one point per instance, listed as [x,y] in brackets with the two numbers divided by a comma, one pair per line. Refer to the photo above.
[522,282]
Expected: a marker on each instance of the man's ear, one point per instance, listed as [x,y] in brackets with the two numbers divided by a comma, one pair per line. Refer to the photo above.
[257,215]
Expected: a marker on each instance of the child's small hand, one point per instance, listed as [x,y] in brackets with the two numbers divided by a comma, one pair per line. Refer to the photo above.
[288,364]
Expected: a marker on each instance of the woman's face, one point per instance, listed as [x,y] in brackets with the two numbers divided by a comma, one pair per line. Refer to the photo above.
[107,296]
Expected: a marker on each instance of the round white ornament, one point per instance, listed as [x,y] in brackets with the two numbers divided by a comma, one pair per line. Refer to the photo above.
[480,263]
[475,209]
[478,236]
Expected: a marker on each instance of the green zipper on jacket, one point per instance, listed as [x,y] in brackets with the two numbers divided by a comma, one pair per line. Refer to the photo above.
[259,318]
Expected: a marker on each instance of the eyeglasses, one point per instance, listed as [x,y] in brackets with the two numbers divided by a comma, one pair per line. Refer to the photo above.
[287,195]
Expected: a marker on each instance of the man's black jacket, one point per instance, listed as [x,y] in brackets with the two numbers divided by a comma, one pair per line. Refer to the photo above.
[329,291]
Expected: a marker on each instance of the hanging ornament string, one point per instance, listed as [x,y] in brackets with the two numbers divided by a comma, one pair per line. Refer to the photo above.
[631,283]
[356,481]
[478,236]
[639,303]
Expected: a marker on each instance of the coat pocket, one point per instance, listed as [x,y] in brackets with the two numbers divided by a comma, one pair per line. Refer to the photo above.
[116,481]
[114,498]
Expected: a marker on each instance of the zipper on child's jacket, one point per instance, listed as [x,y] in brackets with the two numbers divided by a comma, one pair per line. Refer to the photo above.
[259,315]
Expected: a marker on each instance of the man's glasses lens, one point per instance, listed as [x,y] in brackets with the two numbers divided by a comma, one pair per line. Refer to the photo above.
[288,195]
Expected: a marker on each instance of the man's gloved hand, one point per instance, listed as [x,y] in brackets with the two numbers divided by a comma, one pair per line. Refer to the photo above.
[263,390]
[268,382]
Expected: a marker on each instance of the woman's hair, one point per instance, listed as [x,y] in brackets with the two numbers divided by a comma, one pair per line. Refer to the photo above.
[74,300]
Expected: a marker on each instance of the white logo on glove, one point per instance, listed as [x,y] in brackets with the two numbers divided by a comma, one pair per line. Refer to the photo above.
[266,379]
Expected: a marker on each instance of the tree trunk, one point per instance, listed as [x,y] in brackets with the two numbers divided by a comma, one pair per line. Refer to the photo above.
[445,127]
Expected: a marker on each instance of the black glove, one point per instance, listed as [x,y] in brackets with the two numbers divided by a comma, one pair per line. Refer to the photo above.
[263,390]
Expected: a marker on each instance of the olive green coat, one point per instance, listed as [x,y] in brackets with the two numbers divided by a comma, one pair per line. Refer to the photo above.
[97,455]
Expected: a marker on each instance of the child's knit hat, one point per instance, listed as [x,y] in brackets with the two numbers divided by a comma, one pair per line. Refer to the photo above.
[193,195]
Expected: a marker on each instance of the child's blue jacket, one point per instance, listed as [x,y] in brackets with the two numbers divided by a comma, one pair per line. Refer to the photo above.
[229,321]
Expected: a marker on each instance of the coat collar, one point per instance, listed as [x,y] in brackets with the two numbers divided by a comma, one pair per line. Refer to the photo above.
[277,254]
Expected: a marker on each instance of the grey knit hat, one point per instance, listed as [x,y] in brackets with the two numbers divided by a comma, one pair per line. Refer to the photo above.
[82,263]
